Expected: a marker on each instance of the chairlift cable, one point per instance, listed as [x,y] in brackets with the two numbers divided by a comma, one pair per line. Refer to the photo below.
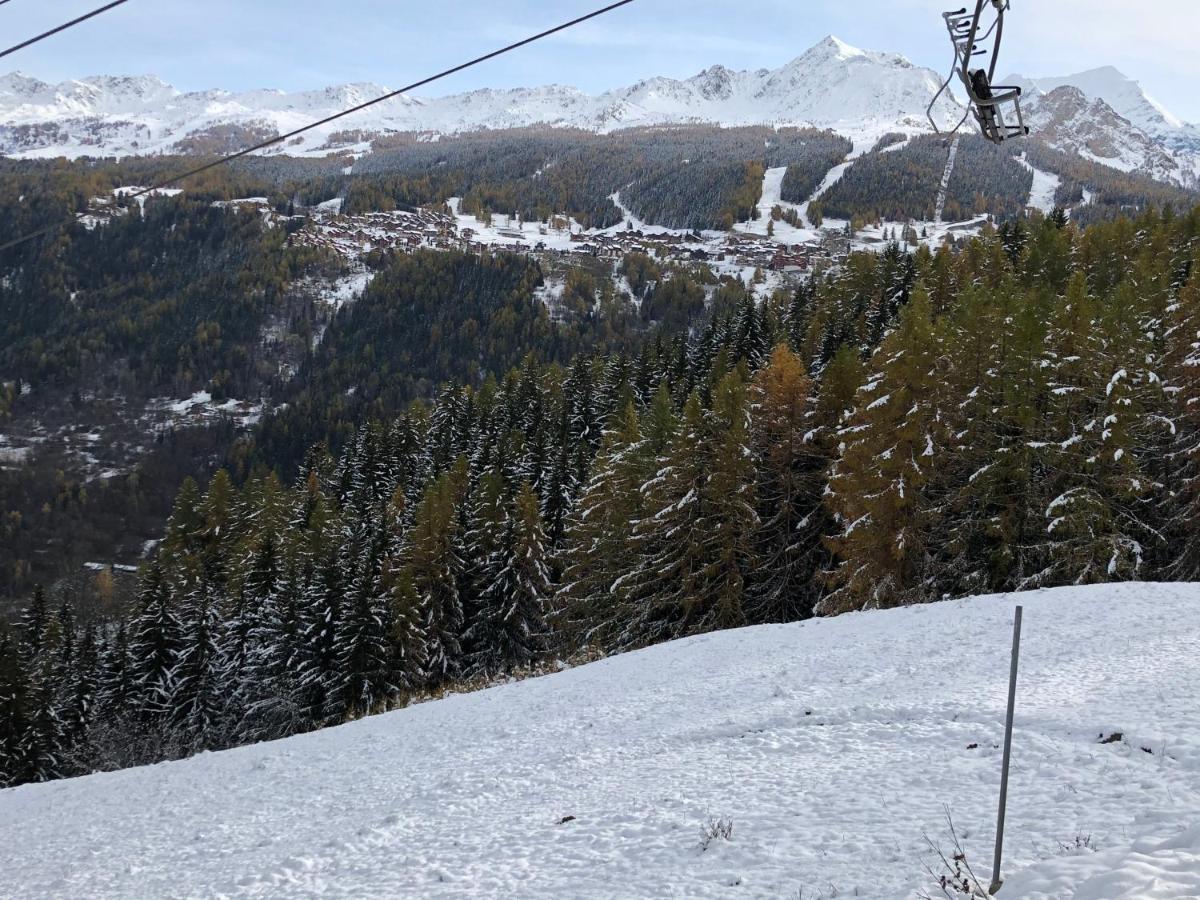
[61,28]
[328,119]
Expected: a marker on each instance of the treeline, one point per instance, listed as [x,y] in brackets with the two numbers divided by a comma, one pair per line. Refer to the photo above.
[191,316]
[683,177]
[1110,193]
[1024,413]
[431,317]
[698,195]
[821,152]
[902,185]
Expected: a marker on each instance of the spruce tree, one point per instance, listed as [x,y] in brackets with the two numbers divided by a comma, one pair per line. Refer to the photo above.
[155,640]
[691,549]
[362,678]
[511,628]
[588,609]
[202,681]
[434,567]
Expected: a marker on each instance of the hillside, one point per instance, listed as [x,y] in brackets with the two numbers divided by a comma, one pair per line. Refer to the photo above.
[832,745]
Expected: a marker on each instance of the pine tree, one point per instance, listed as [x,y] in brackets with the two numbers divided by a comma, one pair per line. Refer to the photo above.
[181,543]
[691,549]
[14,722]
[198,704]
[1183,386]
[319,619]
[991,523]
[790,478]
[155,640]
[1088,538]
[588,608]
[116,693]
[34,622]
[890,451]
[268,689]
[485,523]
[362,643]
[434,566]
[409,653]
[511,628]
[78,703]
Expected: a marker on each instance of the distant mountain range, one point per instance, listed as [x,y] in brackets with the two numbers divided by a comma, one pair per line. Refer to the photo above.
[1100,114]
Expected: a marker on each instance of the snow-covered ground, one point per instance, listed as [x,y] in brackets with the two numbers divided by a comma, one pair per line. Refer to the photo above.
[832,746]
[772,196]
[1045,187]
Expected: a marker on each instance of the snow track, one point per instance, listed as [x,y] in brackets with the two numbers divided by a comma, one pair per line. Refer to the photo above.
[944,187]
[1045,187]
[831,745]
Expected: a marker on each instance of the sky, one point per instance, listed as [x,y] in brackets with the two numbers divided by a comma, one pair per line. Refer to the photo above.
[305,44]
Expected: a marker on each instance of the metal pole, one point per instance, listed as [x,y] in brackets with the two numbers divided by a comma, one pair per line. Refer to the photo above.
[997,882]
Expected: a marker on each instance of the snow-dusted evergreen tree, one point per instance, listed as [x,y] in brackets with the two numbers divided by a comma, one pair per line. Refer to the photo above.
[77,703]
[34,621]
[117,696]
[181,543]
[691,549]
[751,334]
[434,566]
[1183,362]
[558,493]
[39,755]
[268,683]
[510,629]
[485,523]
[409,655]
[244,623]
[890,451]
[364,659]
[659,568]
[319,618]
[790,479]
[13,718]
[588,609]
[202,682]
[989,488]
[1092,521]
[155,640]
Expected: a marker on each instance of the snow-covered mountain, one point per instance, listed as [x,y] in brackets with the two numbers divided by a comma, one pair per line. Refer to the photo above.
[831,85]
[833,746]
[1100,114]
[1068,120]
[1127,98]
[1109,117]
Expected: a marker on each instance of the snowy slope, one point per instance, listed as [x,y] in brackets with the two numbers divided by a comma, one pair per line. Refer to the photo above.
[831,84]
[1104,106]
[831,745]
[1068,120]
[1119,91]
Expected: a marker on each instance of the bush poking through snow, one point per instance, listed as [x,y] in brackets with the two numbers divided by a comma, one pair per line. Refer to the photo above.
[1082,843]
[952,873]
[715,830]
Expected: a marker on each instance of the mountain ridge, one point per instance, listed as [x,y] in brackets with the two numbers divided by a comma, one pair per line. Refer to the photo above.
[860,93]
[831,83]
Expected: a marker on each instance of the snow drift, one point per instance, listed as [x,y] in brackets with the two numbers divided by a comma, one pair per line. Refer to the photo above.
[832,746]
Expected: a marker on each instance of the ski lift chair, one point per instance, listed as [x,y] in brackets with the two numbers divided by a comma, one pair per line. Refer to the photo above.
[997,108]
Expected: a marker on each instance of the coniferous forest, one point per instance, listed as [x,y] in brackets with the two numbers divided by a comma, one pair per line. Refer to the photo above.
[1022,412]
